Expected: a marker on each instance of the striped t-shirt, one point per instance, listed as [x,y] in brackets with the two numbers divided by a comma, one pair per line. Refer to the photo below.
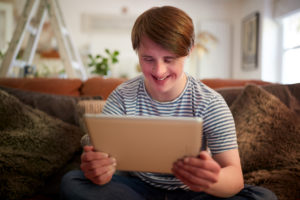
[197,100]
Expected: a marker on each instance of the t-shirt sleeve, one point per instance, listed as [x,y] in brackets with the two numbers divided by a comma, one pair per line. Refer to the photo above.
[114,104]
[219,126]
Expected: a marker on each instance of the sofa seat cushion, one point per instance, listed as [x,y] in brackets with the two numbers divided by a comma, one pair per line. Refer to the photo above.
[70,87]
[33,147]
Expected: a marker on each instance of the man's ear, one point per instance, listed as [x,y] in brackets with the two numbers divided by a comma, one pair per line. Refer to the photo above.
[191,50]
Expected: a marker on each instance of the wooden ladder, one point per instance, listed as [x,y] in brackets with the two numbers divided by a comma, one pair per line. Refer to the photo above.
[69,56]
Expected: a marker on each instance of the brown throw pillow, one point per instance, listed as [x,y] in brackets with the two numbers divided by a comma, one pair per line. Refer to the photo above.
[268,132]
[283,182]
[33,147]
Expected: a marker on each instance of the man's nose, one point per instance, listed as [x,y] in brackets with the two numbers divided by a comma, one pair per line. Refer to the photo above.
[159,69]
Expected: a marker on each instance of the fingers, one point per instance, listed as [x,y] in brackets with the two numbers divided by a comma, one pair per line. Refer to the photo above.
[88,148]
[104,178]
[194,183]
[204,155]
[194,172]
[99,171]
[199,173]
[89,154]
[204,163]
[97,166]
[91,165]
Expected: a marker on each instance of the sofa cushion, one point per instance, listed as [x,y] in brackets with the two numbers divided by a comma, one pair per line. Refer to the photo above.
[69,87]
[60,106]
[230,94]
[33,147]
[268,132]
[100,86]
[283,182]
[216,83]
[288,94]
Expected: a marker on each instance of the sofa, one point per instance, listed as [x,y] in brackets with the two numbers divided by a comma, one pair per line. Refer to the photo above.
[40,131]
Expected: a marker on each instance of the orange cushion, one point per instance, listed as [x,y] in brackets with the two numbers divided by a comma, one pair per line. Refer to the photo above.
[70,87]
[222,83]
[99,86]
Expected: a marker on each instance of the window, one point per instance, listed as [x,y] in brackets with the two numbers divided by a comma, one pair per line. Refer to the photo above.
[291,49]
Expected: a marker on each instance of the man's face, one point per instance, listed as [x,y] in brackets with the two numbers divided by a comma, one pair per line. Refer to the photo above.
[163,71]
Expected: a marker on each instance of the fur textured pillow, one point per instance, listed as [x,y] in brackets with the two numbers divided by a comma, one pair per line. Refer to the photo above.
[268,132]
[33,147]
[283,182]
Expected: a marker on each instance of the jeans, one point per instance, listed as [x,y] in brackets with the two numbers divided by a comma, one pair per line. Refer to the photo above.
[74,186]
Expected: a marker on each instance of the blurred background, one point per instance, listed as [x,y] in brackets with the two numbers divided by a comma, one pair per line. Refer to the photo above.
[222,37]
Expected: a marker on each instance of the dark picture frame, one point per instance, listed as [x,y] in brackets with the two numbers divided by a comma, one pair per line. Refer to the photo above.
[250,41]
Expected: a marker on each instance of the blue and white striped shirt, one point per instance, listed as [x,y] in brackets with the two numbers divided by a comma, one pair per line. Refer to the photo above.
[197,100]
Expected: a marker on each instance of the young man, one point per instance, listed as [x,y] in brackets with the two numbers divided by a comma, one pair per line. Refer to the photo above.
[163,38]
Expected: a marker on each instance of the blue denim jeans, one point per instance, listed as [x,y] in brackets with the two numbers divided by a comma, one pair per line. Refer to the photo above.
[74,186]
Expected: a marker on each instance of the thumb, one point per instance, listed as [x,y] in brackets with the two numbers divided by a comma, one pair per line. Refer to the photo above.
[88,148]
[204,155]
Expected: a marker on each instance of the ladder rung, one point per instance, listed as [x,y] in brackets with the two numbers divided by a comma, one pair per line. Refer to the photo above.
[75,64]
[32,30]
[64,31]
[19,63]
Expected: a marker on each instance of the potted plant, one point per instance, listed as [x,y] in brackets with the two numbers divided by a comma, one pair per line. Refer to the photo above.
[102,64]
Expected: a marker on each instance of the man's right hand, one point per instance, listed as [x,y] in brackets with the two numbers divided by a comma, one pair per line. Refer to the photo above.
[97,166]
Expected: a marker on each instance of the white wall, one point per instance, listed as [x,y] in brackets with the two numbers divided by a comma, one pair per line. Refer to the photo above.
[225,58]
[285,7]
[247,7]
[201,11]
[270,45]
[6,21]
[268,65]
[217,62]
[269,52]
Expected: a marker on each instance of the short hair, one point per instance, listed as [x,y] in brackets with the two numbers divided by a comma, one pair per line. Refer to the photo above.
[167,26]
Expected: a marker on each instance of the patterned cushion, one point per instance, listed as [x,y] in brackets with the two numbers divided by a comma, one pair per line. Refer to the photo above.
[83,107]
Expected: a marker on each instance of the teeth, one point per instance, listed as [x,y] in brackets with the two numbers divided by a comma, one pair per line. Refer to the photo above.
[160,79]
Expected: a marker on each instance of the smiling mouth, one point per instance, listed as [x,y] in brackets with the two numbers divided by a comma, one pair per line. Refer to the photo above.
[160,79]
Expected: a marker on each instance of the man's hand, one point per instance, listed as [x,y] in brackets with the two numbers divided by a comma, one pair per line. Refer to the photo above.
[198,173]
[97,166]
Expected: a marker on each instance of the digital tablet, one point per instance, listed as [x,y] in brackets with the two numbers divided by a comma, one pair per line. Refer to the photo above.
[148,144]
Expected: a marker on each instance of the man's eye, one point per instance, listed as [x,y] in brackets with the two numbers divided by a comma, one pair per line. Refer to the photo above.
[168,60]
[148,59]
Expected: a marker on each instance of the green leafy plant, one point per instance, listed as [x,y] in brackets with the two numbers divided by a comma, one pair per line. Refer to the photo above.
[102,64]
